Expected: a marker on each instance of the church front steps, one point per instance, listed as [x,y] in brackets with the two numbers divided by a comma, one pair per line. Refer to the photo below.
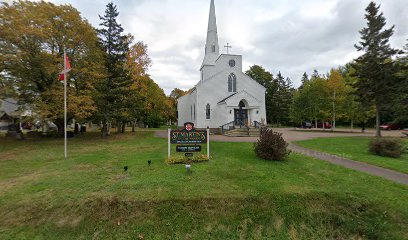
[243,132]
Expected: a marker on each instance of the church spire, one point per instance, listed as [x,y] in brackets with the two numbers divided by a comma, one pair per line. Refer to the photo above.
[212,49]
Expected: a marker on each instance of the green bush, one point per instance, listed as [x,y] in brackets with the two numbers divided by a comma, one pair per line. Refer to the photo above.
[271,146]
[387,147]
[185,160]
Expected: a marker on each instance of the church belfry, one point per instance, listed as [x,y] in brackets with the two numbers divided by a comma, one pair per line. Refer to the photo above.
[212,49]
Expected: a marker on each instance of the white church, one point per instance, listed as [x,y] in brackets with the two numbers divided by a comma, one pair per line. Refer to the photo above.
[224,95]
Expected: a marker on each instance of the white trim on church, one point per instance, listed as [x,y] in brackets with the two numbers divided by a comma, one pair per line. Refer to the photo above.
[224,93]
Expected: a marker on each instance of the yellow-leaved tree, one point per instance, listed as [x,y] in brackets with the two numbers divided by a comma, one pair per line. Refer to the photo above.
[33,36]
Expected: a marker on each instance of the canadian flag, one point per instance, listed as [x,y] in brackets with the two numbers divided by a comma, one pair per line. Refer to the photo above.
[67,68]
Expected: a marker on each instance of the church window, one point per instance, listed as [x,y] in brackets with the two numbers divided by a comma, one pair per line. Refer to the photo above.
[208,112]
[232,83]
[213,48]
[231,63]
[194,113]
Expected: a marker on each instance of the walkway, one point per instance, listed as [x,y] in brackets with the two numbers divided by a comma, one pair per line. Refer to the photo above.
[359,166]
[290,136]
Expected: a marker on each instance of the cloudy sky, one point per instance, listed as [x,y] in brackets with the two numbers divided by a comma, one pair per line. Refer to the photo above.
[291,36]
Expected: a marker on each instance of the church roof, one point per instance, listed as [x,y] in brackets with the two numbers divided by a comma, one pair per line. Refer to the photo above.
[225,99]
[8,106]
[235,98]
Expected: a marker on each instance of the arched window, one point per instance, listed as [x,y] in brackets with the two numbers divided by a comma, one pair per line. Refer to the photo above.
[232,83]
[208,112]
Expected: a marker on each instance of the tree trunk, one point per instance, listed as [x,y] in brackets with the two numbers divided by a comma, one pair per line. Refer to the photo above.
[118,127]
[351,124]
[134,126]
[60,127]
[377,121]
[105,128]
[123,127]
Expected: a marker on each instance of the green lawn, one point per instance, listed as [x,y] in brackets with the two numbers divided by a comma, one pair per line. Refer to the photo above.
[233,196]
[356,148]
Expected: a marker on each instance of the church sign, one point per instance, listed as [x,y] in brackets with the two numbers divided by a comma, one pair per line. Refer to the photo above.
[188,139]
[188,135]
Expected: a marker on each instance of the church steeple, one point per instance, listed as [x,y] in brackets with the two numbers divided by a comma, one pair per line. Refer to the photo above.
[212,49]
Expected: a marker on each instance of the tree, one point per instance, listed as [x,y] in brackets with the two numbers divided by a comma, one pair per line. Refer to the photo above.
[375,67]
[337,90]
[304,80]
[310,102]
[174,96]
[138,62]
[114,91]
[315,74]
[400,105]
[155,104]
[282,99]
[33,36]
[266,79]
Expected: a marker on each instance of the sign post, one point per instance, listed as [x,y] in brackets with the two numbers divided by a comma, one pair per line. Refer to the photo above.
[208,144]
[168,143]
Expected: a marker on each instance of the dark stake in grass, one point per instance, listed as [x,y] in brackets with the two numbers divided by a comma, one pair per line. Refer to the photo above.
[125,168]
[149,163]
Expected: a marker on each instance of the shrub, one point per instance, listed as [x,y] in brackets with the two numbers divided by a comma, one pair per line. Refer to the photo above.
[387,147]
[271,146]
[183,160]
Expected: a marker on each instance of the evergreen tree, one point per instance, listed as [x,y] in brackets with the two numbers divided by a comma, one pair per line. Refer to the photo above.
[114,90]
[400,104]
[266,79]
[283,99]
[304,80]
[315,74]
[375,67]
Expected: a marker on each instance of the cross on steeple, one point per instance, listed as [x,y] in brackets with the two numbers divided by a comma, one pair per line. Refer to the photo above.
[228,47]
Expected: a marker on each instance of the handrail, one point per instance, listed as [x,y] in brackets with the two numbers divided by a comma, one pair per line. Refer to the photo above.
[257,124]
[228,126]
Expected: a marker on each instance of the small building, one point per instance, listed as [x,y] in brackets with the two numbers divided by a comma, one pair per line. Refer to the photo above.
[8,113]
[224,95]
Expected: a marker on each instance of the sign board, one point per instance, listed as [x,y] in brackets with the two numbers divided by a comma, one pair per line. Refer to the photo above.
[188,135]
[188,139]
[188,149]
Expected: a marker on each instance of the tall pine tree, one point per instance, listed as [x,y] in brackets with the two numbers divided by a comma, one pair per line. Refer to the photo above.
[114,90]
[375,67]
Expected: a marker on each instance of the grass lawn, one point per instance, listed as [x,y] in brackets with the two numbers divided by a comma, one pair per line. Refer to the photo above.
[356,148]
[233,196]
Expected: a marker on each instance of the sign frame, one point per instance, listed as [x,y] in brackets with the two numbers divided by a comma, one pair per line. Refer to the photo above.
[188,137]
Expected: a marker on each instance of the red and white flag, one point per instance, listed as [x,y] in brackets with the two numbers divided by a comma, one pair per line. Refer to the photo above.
[67,68]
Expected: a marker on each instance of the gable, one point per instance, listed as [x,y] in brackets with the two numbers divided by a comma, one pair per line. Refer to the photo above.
[220,79]
[234,99]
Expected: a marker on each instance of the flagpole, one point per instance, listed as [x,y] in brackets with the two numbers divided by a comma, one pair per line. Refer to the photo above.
[65,105]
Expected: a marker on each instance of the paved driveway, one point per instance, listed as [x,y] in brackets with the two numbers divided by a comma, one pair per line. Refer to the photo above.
[292,134]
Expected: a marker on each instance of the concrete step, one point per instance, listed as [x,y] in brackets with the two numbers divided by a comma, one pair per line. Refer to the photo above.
[243,132]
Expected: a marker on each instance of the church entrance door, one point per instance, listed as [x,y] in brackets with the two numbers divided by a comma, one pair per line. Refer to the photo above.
[241,115]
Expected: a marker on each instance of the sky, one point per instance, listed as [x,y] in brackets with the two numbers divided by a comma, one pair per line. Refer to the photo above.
[290,36]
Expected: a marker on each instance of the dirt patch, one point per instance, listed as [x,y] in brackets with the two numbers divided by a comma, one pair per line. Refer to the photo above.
[15,182]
